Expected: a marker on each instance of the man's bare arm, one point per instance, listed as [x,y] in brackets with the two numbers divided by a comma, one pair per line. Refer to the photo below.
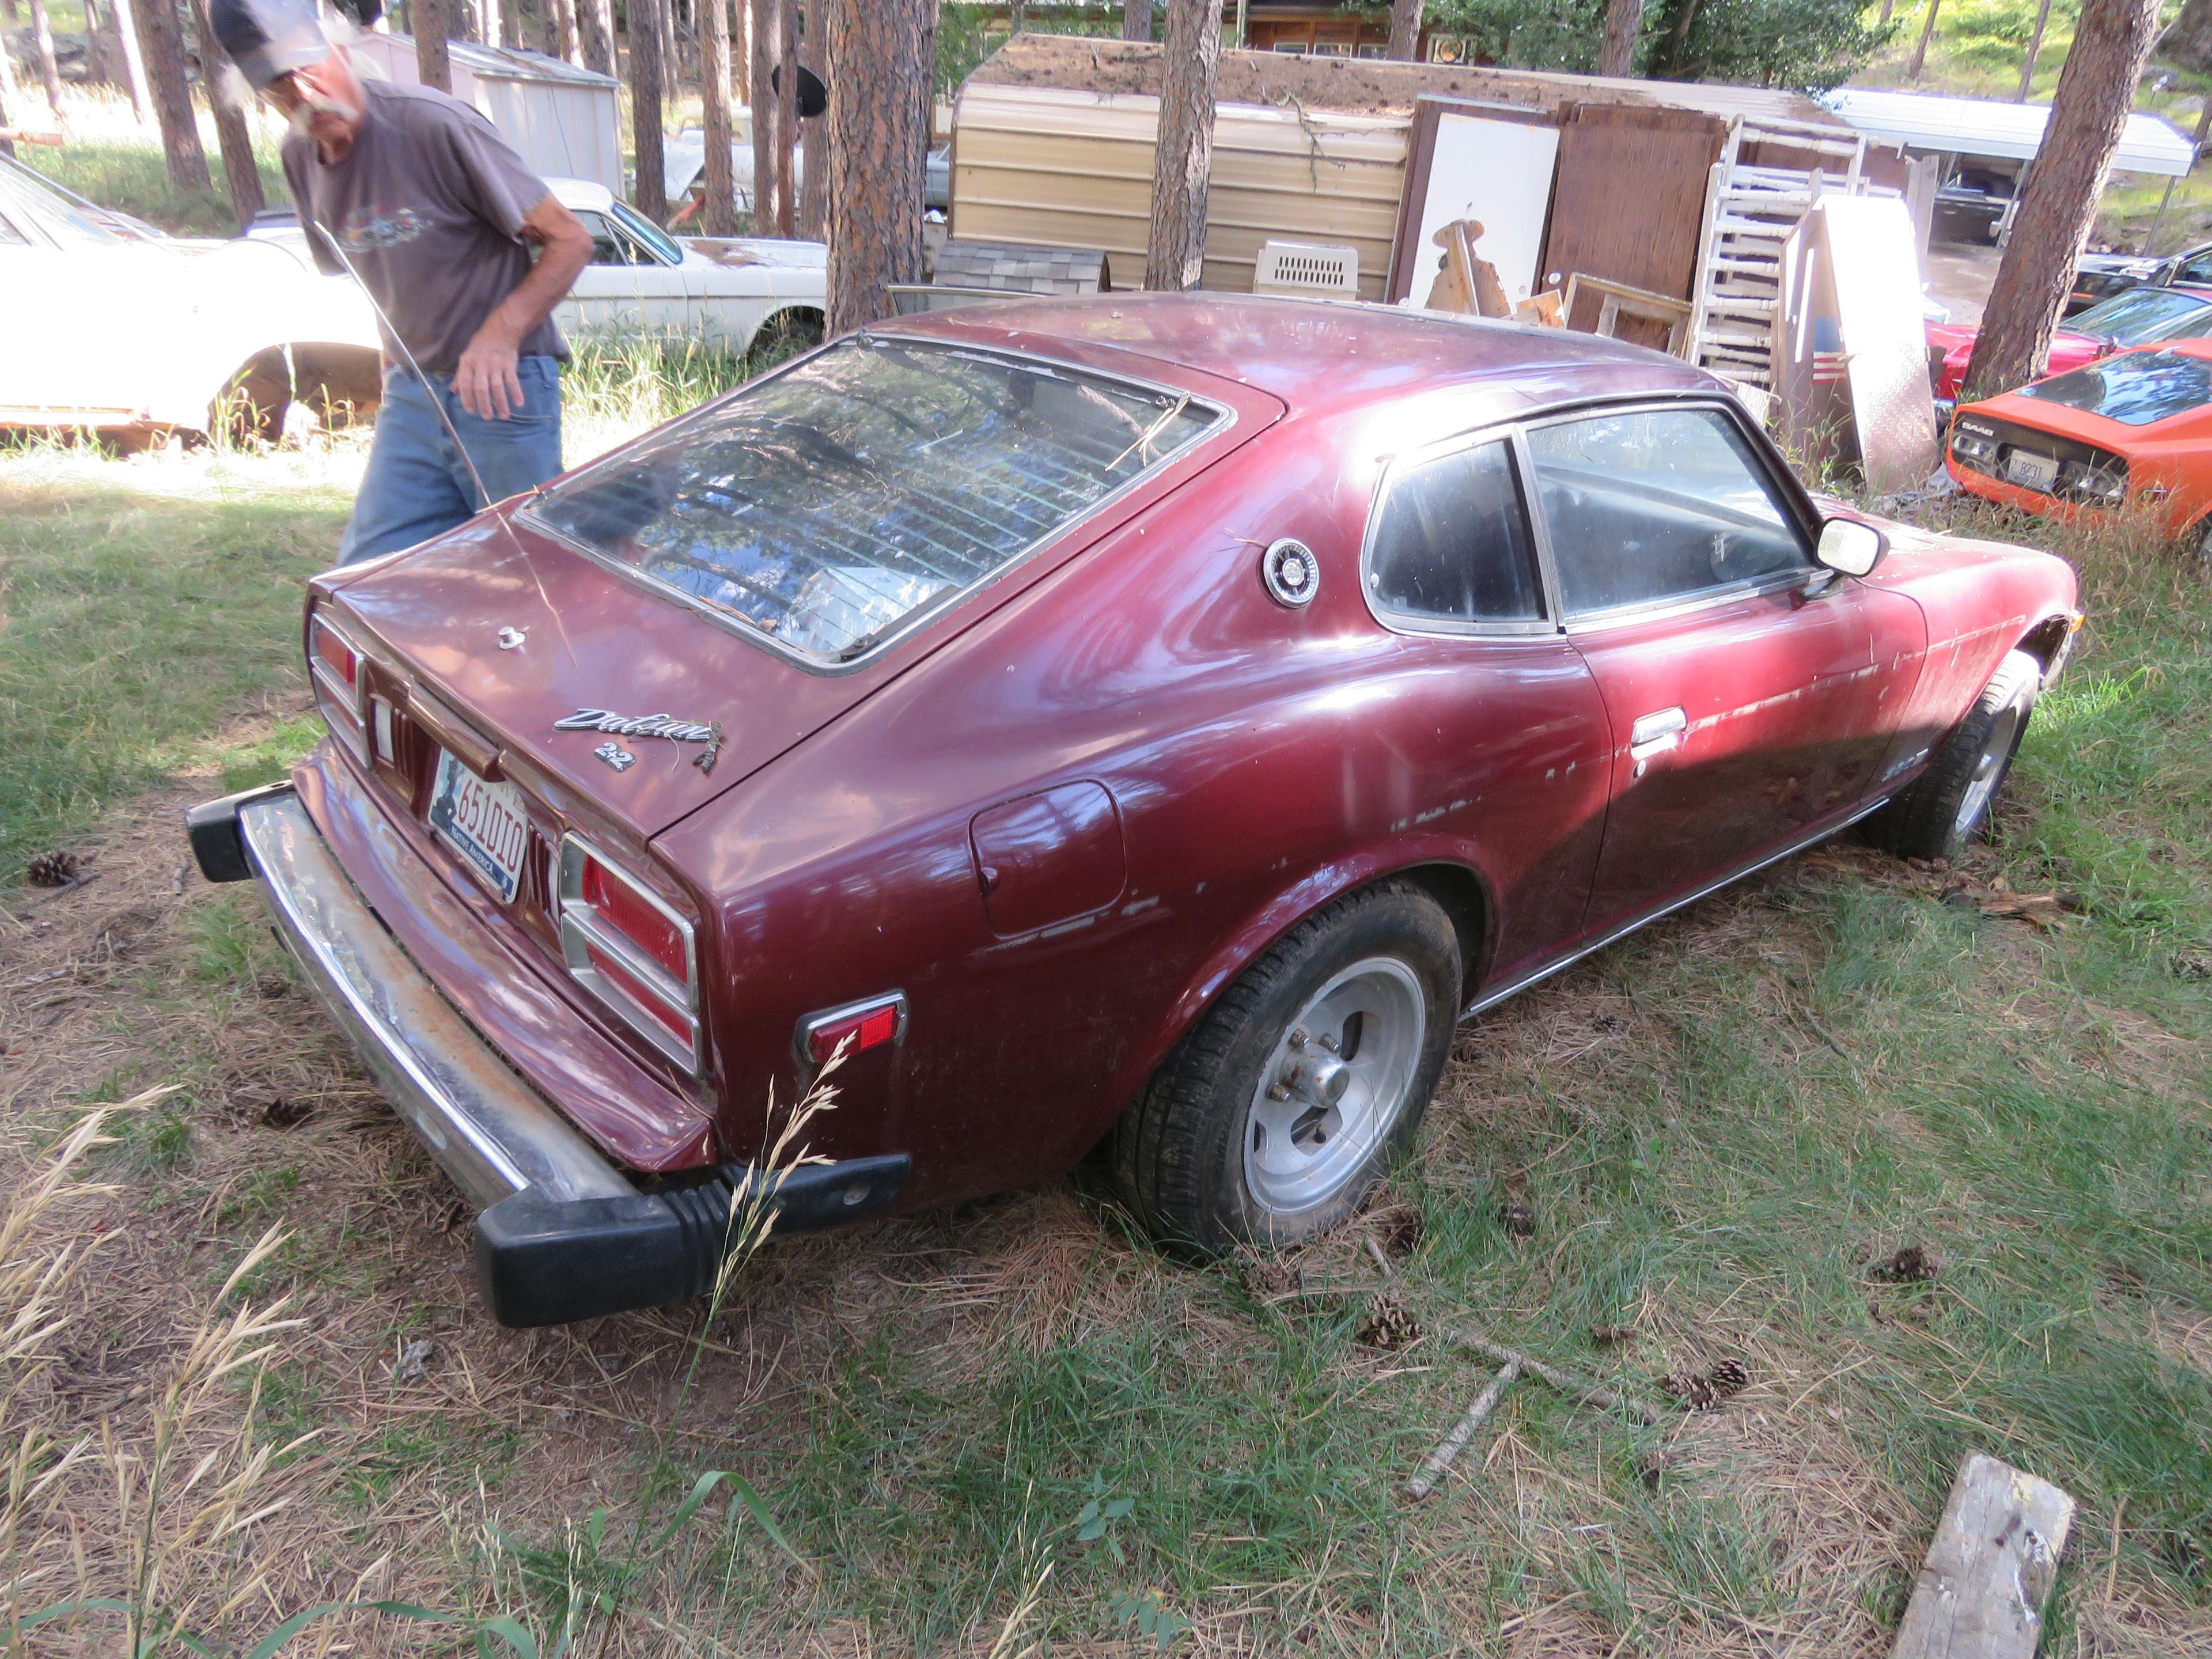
[485,377]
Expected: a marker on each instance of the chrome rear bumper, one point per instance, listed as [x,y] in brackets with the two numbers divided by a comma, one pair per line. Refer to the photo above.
[564,1234]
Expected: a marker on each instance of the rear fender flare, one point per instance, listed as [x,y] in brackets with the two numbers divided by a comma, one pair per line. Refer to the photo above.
[1451,868]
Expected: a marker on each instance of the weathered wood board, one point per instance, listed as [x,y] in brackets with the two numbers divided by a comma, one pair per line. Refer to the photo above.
[1990,1569]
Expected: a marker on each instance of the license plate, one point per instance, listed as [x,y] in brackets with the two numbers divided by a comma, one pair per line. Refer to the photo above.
[484,823]
[2034,471]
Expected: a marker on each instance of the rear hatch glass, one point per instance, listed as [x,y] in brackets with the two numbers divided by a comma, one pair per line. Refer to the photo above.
[2137,389]
[831,508]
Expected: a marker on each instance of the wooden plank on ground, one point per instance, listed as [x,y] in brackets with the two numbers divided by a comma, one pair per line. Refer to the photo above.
[1990,1569]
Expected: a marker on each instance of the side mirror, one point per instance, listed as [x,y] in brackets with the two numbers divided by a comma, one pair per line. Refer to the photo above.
[1851,547]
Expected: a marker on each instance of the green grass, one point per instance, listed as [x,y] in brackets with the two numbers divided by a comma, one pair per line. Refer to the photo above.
[142,607]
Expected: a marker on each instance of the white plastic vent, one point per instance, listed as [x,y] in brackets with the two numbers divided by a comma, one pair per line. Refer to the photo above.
[1313,270]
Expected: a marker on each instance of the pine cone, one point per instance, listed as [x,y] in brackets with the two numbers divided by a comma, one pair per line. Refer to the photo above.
[1909,1266]
[1729,1378]
[56,869]
[1387,1324]
[1518,1217]
[1693,1394]
[1265,1278]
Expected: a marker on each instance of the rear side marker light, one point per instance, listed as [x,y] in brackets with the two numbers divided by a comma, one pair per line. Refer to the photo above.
[855,1027]
[337,663]
[631,949]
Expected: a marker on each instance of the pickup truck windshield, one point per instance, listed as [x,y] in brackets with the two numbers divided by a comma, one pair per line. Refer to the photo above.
[868,486]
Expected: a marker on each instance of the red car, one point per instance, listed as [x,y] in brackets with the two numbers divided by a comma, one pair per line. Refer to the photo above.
[1154,720]
[2141,316]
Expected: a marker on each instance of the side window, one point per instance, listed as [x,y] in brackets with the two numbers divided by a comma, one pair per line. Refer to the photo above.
[2197,269]
[608,247]
[1452,544]
[1657,504]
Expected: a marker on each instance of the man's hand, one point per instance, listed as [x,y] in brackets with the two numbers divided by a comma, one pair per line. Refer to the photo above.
[485,376]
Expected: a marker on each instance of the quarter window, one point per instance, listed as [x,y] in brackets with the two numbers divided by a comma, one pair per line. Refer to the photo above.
[1452,544]
[1657,504]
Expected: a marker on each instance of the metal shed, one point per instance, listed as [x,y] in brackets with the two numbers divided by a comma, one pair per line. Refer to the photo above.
[1931,124]
[564,121]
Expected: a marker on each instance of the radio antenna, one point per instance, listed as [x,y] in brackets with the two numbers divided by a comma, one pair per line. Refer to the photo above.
[437,403]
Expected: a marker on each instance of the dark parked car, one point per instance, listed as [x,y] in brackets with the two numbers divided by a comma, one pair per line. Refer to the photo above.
[2100,275]
[1147,720]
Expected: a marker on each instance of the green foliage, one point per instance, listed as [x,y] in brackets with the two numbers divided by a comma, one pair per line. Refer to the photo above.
[1809,44]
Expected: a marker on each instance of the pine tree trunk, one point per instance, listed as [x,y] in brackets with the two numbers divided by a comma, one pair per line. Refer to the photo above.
[10,95]
[883,60]
[1624,24]
[672,64]
[42,45]
[1183,161]
[238,170]
[596,24]
[2034,50]
[786,121]
[1136,19]
[719,215]
[134,62]
[2187,42]
[561,15]
[163,43]
[1405,29]
[2096,90]
[1927,33]
[434,64]
[813,184]
[645,96]
[766,26]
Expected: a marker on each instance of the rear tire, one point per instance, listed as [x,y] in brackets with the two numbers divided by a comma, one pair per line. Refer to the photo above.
[1302,1085]
[1940,815]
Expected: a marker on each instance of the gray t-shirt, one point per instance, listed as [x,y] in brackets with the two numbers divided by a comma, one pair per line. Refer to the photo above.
[429,205]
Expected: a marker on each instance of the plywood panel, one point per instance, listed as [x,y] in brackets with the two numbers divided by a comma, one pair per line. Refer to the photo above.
[1630,199]
[1074,169]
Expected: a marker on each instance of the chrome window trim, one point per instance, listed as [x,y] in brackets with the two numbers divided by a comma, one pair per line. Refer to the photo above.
[1782,488]
[579,925]
[1413,625]
[1226,419]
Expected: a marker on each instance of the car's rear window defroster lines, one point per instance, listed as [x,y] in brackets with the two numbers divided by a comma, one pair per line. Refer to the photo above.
[879,479]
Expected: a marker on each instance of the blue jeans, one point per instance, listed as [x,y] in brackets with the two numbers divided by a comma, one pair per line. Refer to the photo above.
[417,486]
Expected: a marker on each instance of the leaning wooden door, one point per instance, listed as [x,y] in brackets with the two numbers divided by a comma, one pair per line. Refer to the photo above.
[1628,203]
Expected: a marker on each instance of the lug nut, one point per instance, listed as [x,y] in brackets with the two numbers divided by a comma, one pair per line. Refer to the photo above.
[1298,1037]
[1277,1092]
[1329,1043]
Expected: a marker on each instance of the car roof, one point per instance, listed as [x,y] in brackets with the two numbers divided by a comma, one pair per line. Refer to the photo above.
[1318,353]
[580,193]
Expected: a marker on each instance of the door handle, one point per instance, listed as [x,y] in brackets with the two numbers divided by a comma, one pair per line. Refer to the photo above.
[1655,734]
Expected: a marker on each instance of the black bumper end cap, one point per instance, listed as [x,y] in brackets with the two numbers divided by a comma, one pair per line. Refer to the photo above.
[212,828]
[549,1262]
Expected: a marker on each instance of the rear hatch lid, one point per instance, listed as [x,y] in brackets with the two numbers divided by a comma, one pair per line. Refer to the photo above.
[657,626]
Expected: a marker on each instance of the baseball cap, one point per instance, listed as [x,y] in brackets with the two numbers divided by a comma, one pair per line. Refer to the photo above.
[269,38]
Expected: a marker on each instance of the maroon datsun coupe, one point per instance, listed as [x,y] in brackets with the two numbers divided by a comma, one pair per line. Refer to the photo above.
[1151,721]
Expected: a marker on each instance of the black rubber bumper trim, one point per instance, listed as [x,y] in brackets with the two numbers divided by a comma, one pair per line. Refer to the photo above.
[212,827]
[542,1262]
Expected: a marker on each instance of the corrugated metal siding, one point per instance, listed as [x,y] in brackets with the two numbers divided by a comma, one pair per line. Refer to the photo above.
[1074,169]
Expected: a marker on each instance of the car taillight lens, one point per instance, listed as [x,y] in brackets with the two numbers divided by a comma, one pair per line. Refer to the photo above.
[855,1028]
[629,948]
[336,663]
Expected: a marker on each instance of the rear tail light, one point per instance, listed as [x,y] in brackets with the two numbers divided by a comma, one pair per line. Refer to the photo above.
[336,663]
[625,945]
[854,1028]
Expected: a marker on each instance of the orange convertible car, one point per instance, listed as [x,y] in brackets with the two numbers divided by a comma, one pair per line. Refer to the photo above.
[2136,426]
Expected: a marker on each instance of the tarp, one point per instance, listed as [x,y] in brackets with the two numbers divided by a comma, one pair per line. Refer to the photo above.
[1985,126]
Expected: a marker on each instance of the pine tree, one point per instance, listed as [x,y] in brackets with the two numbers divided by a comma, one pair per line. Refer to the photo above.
[883,56]
[1183,161]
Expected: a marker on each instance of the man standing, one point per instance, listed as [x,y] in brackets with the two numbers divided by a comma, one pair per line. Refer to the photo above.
[413,193]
